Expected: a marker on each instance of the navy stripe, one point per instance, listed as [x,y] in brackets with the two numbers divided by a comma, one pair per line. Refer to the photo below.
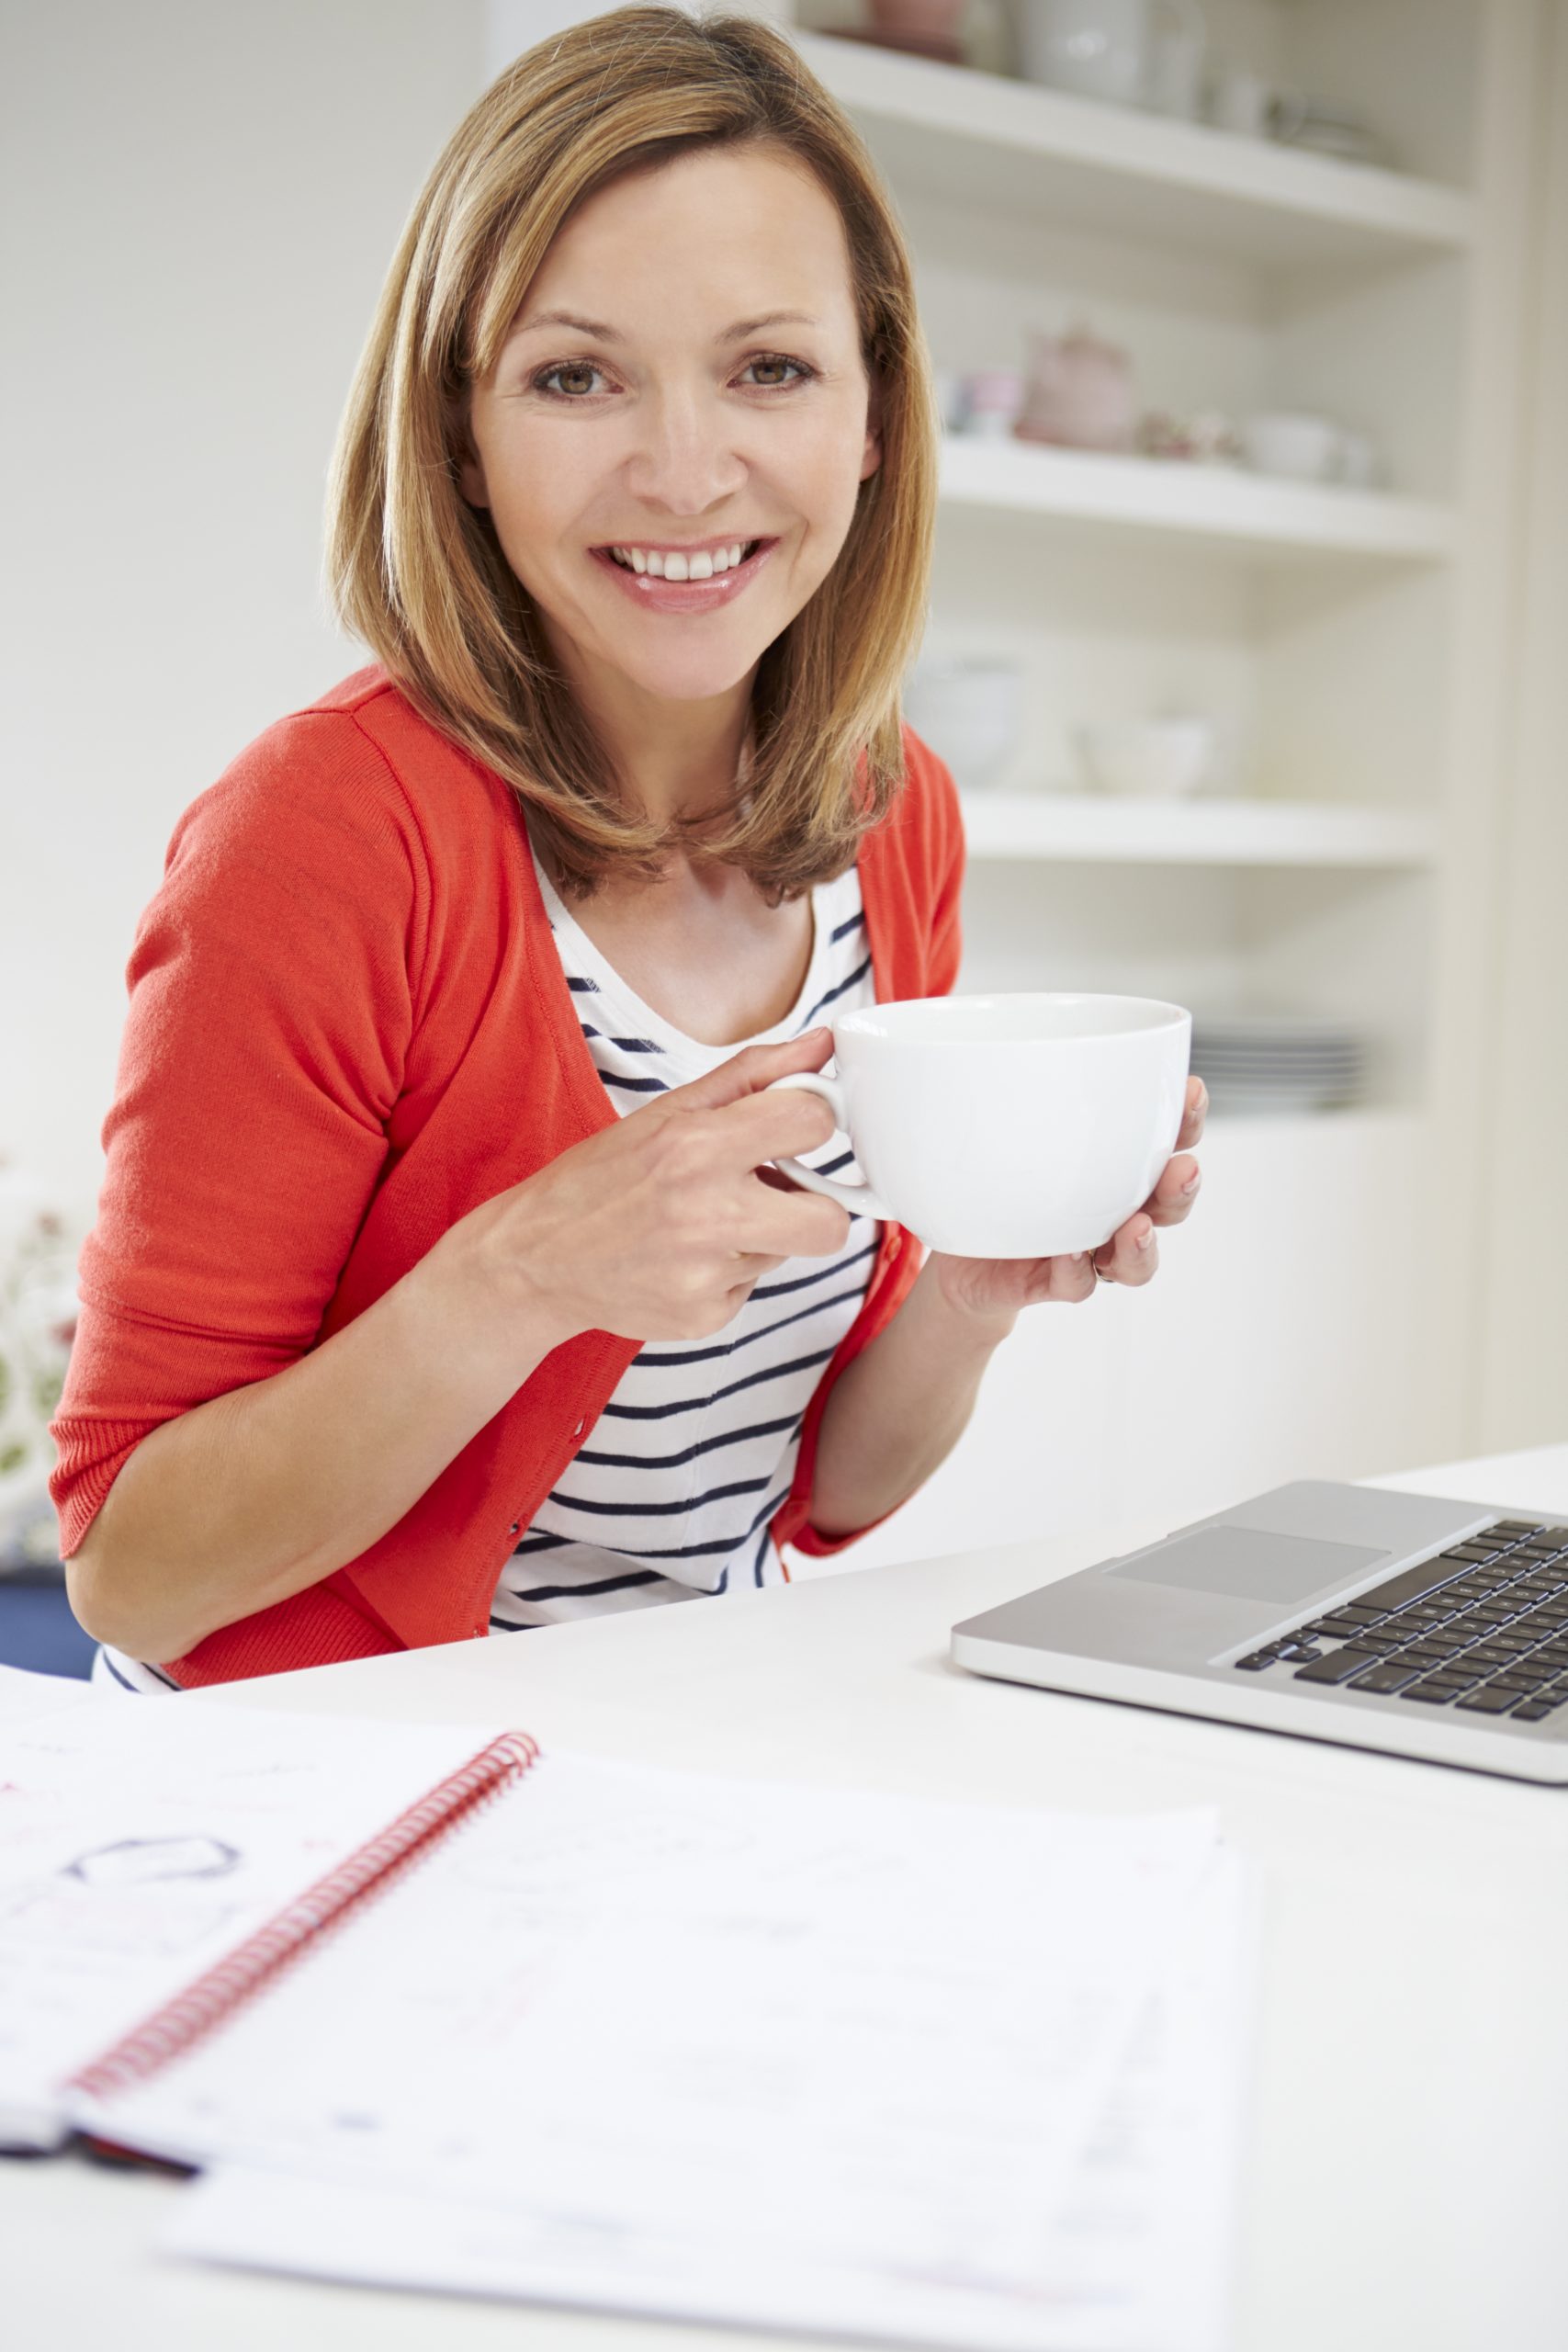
[605,1584]
[723,1581]
[541,1543]
[761,1556]
[657,1510]
[583,988]
[707,1355]
[831,1168]
[159,1676]
[627,1045]
[804,1282]
[858,974]
[845,928]
[124,1683]
[636,1085]
[699,1404]
[687,1452]
[690,1551]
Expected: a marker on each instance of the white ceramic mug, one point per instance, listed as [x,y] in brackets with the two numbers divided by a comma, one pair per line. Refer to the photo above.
[1028,1125]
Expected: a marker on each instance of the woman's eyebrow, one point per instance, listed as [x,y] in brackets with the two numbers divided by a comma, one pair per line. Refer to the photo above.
[604,333]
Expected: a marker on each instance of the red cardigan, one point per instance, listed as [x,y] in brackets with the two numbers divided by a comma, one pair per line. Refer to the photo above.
[348,1026]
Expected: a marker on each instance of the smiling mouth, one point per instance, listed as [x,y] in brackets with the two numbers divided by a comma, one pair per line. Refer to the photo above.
[749,549]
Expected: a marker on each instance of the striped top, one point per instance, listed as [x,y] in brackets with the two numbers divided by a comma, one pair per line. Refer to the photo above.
[670,1493]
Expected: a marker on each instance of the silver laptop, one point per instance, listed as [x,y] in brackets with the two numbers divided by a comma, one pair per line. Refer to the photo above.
[1403,1622]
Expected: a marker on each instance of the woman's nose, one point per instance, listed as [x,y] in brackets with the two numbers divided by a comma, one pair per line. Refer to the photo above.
[686,457]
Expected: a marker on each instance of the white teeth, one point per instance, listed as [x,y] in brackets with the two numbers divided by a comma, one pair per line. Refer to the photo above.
[677,566]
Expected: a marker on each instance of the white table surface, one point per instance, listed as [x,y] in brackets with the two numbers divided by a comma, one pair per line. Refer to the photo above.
[1403,2169]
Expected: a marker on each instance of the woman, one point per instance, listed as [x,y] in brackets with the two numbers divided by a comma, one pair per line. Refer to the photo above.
[441,1283]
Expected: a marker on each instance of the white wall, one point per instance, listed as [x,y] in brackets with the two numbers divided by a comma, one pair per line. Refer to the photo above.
[203,200]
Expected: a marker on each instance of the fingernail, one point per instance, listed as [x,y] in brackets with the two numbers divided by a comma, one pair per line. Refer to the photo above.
[1145,1239]
[1194,1181]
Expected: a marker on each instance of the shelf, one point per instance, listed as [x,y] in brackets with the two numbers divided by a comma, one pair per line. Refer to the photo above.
[1035,153]
[1110,830]
[1224,506]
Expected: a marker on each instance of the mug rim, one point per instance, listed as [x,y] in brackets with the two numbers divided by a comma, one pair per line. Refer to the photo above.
[1163,1016]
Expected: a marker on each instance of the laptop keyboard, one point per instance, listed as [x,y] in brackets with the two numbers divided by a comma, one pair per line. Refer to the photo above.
[1482,1627]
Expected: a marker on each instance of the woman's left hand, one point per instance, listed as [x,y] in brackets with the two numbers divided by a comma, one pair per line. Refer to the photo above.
[1002,1286]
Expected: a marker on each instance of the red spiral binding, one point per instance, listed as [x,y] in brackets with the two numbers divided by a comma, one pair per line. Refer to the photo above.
[171,2030]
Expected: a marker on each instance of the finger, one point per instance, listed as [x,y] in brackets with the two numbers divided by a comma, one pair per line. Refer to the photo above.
[793,1223]
[781,1123]
[1173,1197]
[1131,1255]
[1195,1115]
[747,1073]
[1072,1280]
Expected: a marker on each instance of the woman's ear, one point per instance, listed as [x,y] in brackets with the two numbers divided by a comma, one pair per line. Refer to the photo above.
[871,456]
[471,469]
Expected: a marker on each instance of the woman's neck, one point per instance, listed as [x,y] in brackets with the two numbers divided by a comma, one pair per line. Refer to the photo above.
[679,758]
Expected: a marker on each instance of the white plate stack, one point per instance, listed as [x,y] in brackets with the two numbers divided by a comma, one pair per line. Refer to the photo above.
[1272,1062]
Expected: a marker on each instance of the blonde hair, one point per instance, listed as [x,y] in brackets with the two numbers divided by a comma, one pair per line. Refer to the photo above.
[419,575]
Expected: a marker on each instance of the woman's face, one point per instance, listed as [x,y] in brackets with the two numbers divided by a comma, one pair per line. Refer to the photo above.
[662,414]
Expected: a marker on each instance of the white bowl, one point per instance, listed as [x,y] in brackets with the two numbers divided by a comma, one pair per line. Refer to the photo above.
[1300,448]
[971,714]
[1158,757]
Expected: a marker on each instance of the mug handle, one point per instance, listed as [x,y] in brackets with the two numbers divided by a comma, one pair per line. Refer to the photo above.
[859,1199]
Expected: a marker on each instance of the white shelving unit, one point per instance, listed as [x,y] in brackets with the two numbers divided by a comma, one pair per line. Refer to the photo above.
[1101,830]
[1222,507]
[1354,648]
[1048,155]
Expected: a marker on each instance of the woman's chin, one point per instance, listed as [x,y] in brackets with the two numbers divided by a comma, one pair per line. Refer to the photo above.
[690,677]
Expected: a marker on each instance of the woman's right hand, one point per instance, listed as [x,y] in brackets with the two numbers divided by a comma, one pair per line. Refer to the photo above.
[658,1226]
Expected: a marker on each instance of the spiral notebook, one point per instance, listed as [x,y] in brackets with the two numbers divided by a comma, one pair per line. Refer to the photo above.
[159,1863]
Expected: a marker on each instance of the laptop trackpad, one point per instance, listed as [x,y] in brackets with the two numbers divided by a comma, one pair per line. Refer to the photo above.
[1252,1565]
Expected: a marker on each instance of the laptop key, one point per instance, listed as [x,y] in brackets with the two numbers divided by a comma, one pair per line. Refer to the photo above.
[1257,1662]
[1336,1666]
[1489,1700]
[1532,1711]
[1389,1674]
[1411,1584]
[1435,1694]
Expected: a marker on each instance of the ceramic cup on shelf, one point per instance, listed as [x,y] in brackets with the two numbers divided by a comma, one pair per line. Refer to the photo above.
[991,399]
[1127,52]
[1239,101]
[1027,1126]
[1152,759]
[1300,447]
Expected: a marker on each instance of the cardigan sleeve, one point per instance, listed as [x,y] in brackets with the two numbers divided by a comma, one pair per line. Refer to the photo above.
[273,985]
[937,872]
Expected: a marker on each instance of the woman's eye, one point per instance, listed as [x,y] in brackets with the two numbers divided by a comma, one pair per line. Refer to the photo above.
[564,367]
[580,368]
[777,359]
